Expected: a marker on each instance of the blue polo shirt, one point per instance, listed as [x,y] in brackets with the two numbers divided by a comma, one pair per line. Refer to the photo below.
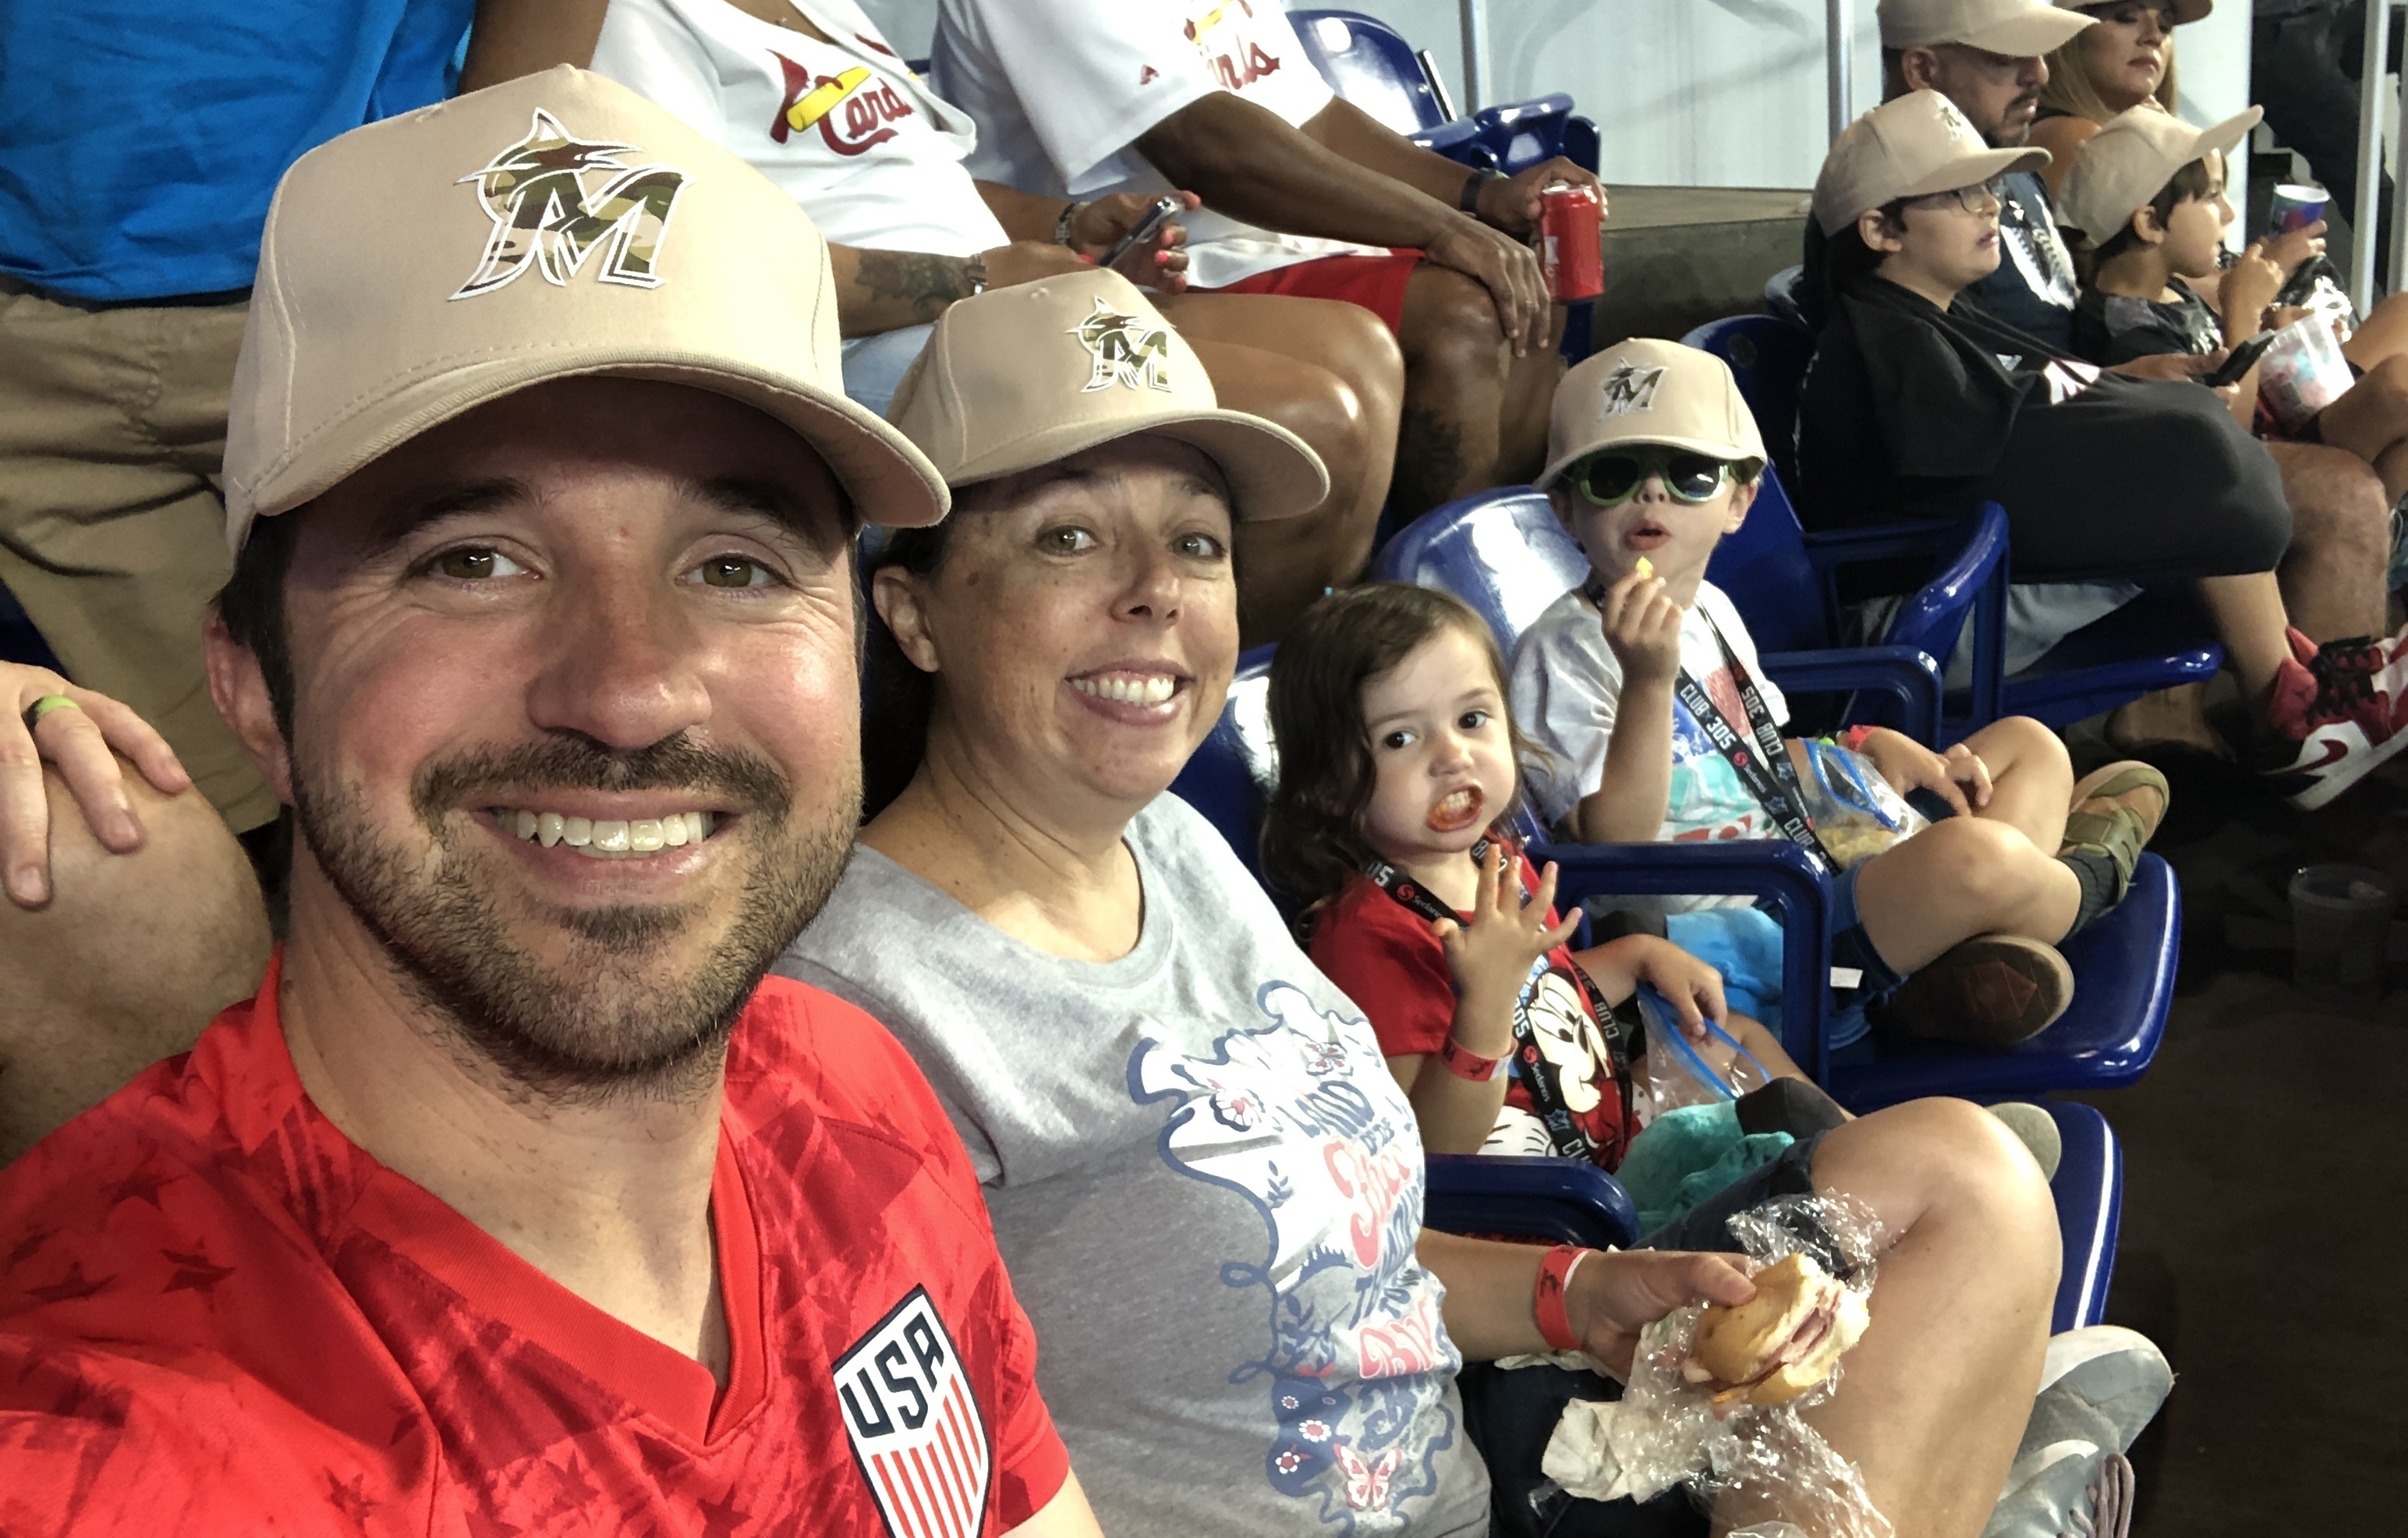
[140,139]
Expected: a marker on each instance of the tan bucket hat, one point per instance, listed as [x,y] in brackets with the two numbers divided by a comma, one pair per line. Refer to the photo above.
[1023,376]
[1647,391]
[1909,146]
[2017,29]
[556,225]
[2124,166]
[2185,11]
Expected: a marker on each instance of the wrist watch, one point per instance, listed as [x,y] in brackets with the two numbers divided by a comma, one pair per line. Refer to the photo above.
[975,270]
[1468,199]
[1062,221]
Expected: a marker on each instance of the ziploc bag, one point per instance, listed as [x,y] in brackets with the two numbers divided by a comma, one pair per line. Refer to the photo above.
[1678,1074]
[1763,1466]
[1854,813]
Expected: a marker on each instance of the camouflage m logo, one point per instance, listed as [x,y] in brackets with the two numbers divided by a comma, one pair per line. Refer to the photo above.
[1629,389]
[543,210]
[1126,351]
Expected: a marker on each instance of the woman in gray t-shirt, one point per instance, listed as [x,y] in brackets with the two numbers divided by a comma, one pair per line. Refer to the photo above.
[1206,1185]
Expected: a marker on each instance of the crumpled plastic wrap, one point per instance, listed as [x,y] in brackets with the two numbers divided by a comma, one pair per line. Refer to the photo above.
[1664,1432]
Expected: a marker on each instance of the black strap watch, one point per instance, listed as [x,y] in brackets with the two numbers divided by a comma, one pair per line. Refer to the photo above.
[1468,199]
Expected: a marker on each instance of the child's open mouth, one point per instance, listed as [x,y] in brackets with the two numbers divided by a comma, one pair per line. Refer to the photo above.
[1455,811]
[1647,536]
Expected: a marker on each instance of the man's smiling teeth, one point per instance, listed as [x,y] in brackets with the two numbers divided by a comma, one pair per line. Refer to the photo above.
[1130,689]
[607,840]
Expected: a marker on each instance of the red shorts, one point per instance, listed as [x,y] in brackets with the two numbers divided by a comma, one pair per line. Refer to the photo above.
[1375,282]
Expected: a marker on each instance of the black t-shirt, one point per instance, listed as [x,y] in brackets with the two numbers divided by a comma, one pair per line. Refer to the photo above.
[2115,328]
[1906,409]
[2033,288]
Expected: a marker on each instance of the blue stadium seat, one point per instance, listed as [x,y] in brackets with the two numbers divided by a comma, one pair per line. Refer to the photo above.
[2089,1191]
[1561,1201]
[2152,643]
[1229,778]
[1369,64]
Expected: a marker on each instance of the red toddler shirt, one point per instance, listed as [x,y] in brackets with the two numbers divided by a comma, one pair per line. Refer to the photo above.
[1383,955]
[217,1315]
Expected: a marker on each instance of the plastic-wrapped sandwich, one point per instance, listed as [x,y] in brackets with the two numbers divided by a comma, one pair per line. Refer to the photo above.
[1781,1343]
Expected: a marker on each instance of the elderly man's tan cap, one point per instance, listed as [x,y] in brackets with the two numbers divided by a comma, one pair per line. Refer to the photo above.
[1909,146]
[1021,377]
[553,226]
[2017,29]
[1648,390]
[2124,166]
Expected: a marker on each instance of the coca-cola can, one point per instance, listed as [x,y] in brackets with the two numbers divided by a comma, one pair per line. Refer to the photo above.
[1571,250]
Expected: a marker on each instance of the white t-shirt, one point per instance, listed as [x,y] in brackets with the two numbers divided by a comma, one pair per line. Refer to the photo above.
[845,127]
[1566,682]
[1061,89]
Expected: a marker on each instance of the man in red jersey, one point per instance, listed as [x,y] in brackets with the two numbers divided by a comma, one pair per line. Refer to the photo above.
[516,1203]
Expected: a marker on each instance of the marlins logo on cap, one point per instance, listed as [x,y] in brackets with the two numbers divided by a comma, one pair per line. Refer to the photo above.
[1126,351]
[539,196]
[1629,388]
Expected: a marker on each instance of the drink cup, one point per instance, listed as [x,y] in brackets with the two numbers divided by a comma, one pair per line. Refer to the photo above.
[2341,918]
[1570,251]
[2296,206]
[2303,371]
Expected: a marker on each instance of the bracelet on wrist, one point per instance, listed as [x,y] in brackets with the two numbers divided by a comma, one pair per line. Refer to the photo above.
[1468,200]
[1855,738]
[1547,1299]
[1062,221]
[1464,1063]
[974,272]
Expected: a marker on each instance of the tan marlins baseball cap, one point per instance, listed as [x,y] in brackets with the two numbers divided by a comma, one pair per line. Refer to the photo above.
[2017,29]
[1021,377]
[556,225]
[1647,391]
[2124,166]
[1909,146]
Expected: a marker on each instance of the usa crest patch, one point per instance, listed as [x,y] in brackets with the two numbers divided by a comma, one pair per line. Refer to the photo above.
[915,1426]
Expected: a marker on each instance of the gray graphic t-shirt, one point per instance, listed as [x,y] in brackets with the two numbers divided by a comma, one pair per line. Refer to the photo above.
[1206,1189]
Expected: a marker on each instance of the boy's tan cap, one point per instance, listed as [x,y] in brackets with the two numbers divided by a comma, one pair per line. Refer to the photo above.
[401,283]
[1909,146]
[2017,29]
[1021,377]
[1648,390]
[2185,11]
[2124,166]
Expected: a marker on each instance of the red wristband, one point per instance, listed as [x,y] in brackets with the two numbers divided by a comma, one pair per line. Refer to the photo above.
[1855,738]
[1466,1064]
[1547,1301]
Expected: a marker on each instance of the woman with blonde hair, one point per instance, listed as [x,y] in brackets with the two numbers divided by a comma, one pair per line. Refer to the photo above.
[2127,59]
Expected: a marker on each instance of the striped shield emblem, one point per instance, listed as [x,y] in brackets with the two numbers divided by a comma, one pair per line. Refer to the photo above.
[915,1426]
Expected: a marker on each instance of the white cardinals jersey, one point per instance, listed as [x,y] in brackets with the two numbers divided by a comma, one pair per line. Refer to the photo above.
[1061,89]
[844,126]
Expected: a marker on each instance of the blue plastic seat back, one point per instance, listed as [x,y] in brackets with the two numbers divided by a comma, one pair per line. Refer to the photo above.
[1502,552]
[1369,64]
[1768,355]
[1231,776]
[1558,1199]
[1524,134]
[1765,570]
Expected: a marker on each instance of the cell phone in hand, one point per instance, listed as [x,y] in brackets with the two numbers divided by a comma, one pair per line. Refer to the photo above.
[1163,210]
[2243,358]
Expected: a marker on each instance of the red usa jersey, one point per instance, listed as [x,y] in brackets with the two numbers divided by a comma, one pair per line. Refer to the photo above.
[219,1315]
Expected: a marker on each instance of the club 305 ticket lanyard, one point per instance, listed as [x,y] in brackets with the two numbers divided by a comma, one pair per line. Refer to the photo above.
[1763,765]
[1538,1074]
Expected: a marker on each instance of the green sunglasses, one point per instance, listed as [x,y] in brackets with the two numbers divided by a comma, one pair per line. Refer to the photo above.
[1613,477]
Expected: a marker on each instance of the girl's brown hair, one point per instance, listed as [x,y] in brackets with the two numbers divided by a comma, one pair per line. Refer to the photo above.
[1312,837]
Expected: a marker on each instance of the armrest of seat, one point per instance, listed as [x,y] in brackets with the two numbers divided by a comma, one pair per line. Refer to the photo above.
[1563,1200]
[1906,675]
[1973,579]
[1769,870]
[1462,141]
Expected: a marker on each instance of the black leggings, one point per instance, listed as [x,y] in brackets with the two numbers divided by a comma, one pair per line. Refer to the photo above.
[2138,480]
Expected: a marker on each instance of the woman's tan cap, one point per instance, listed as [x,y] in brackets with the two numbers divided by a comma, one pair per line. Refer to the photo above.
[1909,146]
[1648,390]
[556,225]
[2185,11]
[1021,377]
[2017,29]
[2124,166]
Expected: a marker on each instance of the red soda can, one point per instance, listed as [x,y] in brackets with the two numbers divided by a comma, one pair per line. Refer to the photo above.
[1571,250]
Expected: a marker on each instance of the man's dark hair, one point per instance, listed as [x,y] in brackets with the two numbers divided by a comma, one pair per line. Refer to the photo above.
[2191,182]
[252,604]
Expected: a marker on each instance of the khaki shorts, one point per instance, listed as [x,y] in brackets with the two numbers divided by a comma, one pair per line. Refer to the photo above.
[112,428]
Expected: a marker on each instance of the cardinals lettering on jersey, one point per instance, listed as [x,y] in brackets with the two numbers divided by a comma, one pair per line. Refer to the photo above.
[545,206]
[852,111]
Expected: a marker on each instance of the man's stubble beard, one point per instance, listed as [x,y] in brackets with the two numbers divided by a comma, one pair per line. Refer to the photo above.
[605,1023]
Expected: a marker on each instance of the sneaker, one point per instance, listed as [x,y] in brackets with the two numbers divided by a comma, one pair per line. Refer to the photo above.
[2036,1129]
[2334,703]
[2067,1490]
[1991,990]
[2103,1383]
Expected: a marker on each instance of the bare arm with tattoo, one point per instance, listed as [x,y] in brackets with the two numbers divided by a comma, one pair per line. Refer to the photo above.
[888,290]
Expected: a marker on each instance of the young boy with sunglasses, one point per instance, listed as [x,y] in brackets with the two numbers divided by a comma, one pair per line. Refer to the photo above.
[1644,689]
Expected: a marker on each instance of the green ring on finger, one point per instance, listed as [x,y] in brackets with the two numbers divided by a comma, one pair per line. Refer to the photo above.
[44,706]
